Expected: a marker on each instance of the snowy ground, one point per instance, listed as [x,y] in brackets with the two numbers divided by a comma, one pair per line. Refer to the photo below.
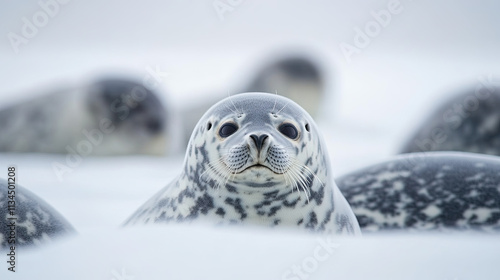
[199,253]
[428,52]
[102,192]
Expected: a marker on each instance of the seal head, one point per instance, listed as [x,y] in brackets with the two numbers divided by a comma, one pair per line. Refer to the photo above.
[254,158]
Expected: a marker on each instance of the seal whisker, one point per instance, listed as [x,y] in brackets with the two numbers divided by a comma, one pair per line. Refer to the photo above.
[285,176]
[238,112]
[228,173]
[231,168]
[288,181]
[208,171]
[291,181]
[298,168]
[295,182]
[298,181]
[304,179]
[282,108]
[308,170]
[275,102]
[220,170]
[234,112]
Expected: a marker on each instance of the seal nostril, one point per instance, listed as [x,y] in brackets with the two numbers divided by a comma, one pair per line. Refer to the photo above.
[259,140]
[262,138]
[255,139]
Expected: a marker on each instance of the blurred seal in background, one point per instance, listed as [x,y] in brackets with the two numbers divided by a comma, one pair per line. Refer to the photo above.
[297,77]
[119,116]
[469,122]
[112,116]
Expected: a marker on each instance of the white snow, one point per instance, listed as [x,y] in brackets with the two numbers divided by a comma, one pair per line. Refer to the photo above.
[178,252]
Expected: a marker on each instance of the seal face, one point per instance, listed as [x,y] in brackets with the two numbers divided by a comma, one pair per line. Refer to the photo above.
[36,221]
[254,158]
[433,191]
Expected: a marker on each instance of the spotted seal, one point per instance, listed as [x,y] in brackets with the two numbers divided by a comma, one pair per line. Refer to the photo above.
[440,191]
[254,158]
[36,222]
[468,122]
[109,116]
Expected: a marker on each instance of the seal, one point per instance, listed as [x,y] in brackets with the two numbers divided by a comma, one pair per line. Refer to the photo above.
[440,191]
[299,77]
[106,117]
[468,122]
[36,222]
[254,159]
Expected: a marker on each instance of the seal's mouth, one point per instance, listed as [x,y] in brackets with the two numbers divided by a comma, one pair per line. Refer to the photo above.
[257,166]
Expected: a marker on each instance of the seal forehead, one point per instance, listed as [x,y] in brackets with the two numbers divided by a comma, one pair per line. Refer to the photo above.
[260,105]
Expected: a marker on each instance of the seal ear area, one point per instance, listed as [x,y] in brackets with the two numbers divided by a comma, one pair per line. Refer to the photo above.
[210,124]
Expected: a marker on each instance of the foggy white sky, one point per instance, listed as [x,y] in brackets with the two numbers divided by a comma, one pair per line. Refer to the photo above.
[434,25]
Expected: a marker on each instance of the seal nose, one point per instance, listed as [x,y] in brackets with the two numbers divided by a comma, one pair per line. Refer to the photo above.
[259,140]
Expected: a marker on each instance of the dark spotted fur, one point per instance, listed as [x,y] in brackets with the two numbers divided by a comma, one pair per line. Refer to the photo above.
[432,191]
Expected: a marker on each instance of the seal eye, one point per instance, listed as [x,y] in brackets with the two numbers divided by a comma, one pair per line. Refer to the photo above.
[227,130]
[288,130]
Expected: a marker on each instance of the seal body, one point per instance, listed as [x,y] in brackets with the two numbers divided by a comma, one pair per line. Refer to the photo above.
[36,222]
[254,158]
[106,117]
[431,191]
[469,122]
